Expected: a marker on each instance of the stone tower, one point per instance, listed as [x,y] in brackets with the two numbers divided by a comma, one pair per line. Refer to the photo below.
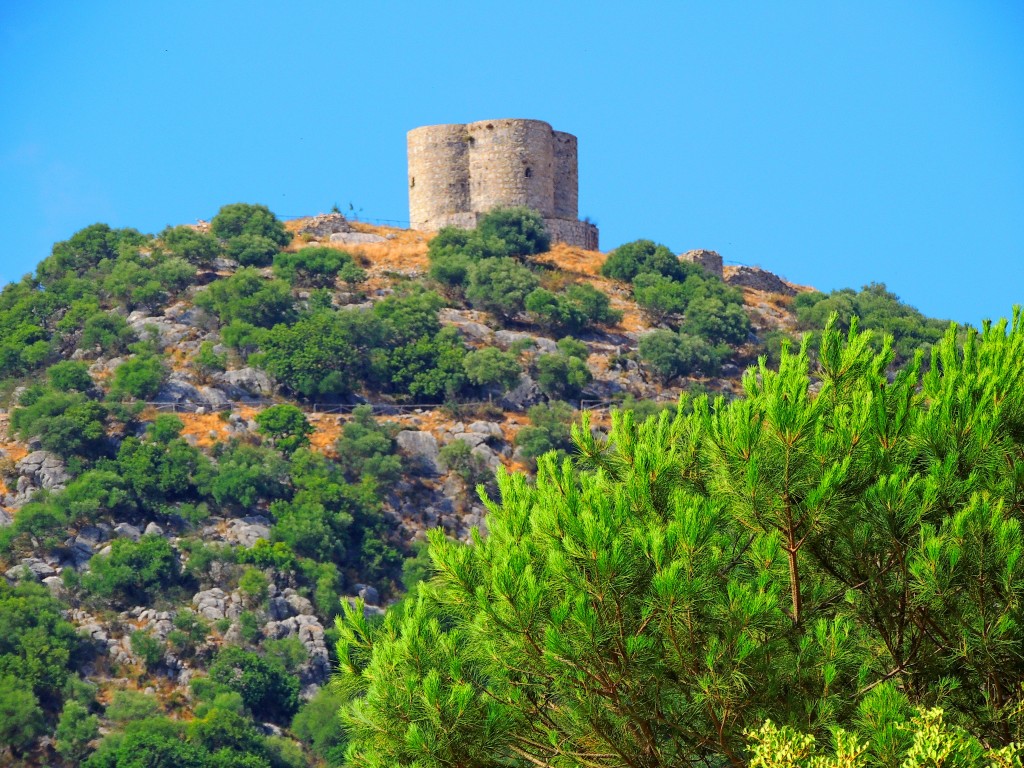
[459,172]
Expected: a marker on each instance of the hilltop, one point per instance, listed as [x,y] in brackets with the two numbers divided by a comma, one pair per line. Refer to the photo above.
[212,436]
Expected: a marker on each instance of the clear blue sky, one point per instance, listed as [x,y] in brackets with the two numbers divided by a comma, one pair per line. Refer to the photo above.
[833,143]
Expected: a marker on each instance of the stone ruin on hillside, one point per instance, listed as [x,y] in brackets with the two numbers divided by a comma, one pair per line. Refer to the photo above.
[457,173]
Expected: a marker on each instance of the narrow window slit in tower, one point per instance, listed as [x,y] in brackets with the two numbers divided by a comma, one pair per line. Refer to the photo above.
[529,172]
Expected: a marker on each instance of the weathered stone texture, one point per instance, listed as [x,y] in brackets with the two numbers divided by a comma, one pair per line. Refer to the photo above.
[709,260]
[459,172]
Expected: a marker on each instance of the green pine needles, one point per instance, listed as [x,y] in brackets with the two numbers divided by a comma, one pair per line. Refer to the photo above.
[840,549]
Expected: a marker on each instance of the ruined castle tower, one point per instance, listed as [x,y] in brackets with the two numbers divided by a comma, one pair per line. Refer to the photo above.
[459,172]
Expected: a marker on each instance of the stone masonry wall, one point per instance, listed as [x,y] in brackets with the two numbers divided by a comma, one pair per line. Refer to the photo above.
[458,172]
[710,260]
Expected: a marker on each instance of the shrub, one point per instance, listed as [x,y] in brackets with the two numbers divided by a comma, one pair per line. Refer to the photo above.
[254,586]
[492,367]
[68,424]
[318,726]
[500,286]
[716,321]
[139,377]
[458,457]
[316,267]
[128,706]
[84,251]
[548,430]
[245,219]
[561,376]
[248,297]
[133,571]
[366,448]
[21,718]
[108,331]
[246,474]
[629,260]
[207,361]
[658,296]
[877,309]
[251,250]
[680,354]
[267,690]
[75,729]
[195,247]
[520,229]
[316,356]
[286,425]
[37,646]
[69,375]
[576,310]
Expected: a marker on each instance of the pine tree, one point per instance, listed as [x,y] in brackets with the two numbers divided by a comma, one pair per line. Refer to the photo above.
[835,549]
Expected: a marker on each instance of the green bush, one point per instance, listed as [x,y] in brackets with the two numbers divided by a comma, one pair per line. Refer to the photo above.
[520,229]
[250,298]
[267,690]
[68,424]
[246,219]
[254,586]
[576,310]
[286,425]
[659,297]
[679,354]
[86,249]
[207,361]
[458,457]
[500,286]
[877,309]
[75,729]
[491,367]
[246,474]
[21,718]
[251,250]
[631,259]
[548,430]
[197,248]
[128,706]
[37,645]
[316,267]
[108,331]
[366,449]
[318,726]
[134,571]
[715,321]
[139,377]
[69,376]
[561,376]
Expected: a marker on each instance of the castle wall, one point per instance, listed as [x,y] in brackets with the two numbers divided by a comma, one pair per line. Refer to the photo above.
[511,162]
[567,180]
[459,172]
[711,261]
[438,173]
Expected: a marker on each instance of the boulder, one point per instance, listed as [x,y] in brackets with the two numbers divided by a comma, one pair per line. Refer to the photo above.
[506,339]
[128,531]
[761,280]
[247,531]
[526,393]
[488,428]
[44,470]
[244,383]
[325,225]
[421,447]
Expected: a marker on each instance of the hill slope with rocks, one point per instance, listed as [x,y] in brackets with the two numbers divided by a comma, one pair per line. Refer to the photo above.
[213,436]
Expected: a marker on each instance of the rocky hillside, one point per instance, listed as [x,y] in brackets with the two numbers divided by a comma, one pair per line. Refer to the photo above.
[212,437]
